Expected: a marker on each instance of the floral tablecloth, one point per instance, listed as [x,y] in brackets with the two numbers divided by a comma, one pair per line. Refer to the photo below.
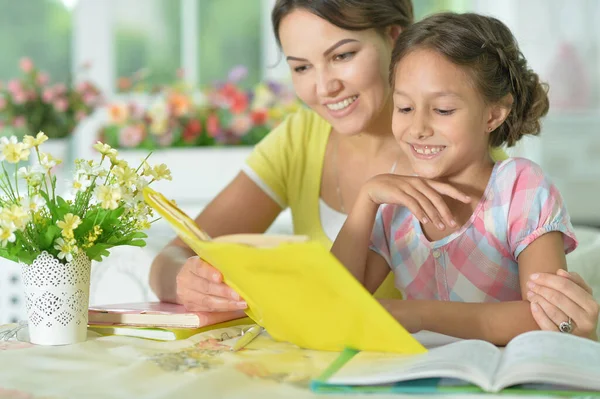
[200,367]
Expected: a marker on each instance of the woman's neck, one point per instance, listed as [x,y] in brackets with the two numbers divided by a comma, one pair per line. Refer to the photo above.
[377,136]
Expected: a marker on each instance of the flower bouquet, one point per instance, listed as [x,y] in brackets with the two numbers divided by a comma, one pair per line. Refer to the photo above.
[54,238]
[179,116]
[31,104]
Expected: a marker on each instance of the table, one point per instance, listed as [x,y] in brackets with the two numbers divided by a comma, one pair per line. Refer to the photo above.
[200,367]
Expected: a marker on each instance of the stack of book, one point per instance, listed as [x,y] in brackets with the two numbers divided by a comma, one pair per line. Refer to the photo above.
[158,320]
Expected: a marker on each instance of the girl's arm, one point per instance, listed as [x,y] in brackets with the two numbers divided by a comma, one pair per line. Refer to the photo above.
[422,197]
[497,323]
[351,246]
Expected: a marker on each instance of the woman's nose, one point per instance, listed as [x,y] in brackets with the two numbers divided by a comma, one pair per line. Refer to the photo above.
[328,85]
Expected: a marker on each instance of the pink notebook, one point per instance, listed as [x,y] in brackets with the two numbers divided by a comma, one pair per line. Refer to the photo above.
[156,314]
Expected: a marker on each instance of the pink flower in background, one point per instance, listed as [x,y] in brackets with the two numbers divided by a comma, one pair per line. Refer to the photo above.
[19,121]
[90,98]
[26,64]
[48,95]
[19,97]
[241,124]
[180,73]
[43,78]
[14,86]
[60,88]
[213,127]
[131,136]
[61,104]
[165,139]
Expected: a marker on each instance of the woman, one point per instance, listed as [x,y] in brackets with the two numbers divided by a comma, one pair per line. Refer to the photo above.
[316,161]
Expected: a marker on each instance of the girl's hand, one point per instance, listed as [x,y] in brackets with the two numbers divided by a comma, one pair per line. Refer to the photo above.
[422,197]
[556,297]
[200,288]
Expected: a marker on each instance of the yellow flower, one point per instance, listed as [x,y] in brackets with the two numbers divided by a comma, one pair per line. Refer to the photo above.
[125,175]
[70,222]
[12,151]
[48,161]
[105,150]
[31,141]
[17,215]
[108,196]
[160,172]
[7,234]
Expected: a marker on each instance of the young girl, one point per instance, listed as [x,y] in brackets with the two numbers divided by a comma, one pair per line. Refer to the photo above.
[460,85]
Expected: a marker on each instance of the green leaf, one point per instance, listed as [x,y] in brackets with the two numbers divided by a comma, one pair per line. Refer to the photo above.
[48,237]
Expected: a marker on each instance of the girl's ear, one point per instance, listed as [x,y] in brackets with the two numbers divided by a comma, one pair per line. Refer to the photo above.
[499,112]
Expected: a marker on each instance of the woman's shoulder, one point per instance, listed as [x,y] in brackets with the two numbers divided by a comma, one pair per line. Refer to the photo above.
[302,130]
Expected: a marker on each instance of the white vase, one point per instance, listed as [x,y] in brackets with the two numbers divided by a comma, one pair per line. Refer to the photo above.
[57,299]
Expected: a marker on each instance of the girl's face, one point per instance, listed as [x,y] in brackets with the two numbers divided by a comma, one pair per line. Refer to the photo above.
[340,74]
[440,119]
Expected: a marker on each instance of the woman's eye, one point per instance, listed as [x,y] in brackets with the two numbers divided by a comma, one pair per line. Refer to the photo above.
[300,69]
[404,110]
[445,111]
[344,56]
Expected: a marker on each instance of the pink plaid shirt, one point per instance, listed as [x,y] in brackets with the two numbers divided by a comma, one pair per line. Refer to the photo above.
[477,263]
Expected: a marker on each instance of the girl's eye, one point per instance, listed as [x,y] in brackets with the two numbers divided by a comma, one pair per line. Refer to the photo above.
[300,69]
[344,56]
[404,110]
[445,111]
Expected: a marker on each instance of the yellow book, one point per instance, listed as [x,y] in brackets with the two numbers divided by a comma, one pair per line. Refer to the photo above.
[162,333]
[294,288]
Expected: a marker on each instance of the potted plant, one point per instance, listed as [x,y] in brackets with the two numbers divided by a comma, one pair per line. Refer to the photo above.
[55,237]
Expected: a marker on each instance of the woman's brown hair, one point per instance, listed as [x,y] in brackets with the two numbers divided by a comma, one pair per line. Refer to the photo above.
[489,51]
[349,14]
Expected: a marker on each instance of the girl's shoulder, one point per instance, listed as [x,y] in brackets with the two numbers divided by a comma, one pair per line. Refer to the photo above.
[520,172]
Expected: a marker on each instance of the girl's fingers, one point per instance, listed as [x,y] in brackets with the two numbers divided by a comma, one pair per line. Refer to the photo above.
[439,203]
[427,206]
[450,191]
[541,318]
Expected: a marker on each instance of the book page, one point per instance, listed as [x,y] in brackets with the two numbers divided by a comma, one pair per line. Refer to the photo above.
[469,360]
[550,357]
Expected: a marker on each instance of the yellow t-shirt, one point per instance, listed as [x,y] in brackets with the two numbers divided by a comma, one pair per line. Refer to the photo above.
[289,162]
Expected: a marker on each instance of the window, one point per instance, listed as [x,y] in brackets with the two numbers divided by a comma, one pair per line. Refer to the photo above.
[43,34]
[147,38]
[228,39]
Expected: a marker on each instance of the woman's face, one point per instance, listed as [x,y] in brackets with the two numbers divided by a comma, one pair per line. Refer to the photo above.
[342,75]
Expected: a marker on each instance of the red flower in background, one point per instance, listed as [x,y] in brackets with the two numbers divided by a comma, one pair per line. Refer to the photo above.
[213,126]
[192,131]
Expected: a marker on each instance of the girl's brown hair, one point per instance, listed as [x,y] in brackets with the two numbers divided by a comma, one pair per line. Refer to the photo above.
[489,51]
[349,14]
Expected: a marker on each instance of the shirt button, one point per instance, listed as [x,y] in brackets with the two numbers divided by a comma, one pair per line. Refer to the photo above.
[437,254]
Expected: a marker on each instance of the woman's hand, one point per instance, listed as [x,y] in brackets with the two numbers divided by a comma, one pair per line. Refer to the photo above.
[557,297]
[406,314]
[422,197]
[200,288]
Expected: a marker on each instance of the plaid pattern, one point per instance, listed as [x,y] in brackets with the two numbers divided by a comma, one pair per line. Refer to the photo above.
[477,263]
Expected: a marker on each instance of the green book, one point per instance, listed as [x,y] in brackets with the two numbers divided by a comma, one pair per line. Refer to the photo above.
[537,363]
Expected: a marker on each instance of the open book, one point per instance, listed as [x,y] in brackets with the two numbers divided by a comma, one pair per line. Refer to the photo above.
[294,288]
[542,360]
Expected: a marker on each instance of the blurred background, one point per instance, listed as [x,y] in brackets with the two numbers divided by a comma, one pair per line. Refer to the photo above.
[210,72]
